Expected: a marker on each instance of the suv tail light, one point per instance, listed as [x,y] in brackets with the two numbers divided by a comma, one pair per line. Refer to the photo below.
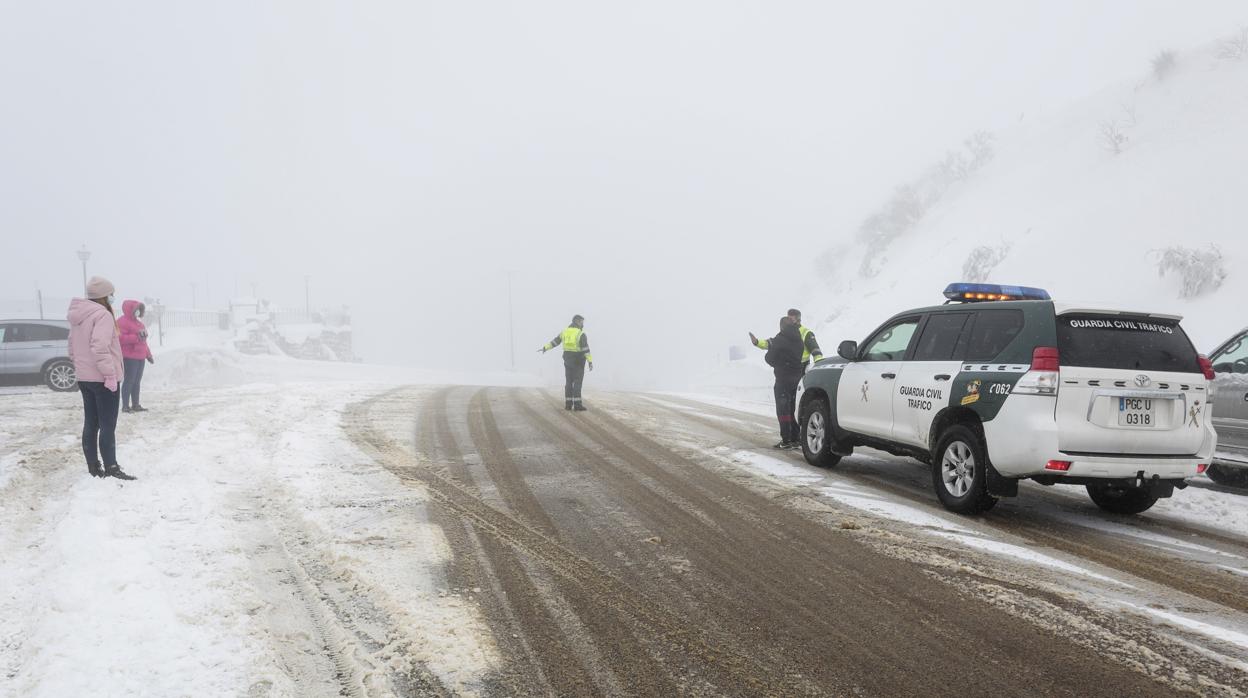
[1044,359]
[1042,378]
[1206,366]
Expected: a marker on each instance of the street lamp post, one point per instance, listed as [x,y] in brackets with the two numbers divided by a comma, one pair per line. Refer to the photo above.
[511,324]
[84,254]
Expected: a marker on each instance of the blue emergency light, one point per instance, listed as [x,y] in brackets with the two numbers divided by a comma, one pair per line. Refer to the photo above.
[975,293]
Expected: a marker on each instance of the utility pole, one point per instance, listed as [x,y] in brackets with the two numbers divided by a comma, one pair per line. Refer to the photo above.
[511,324]
[39,298]
[84,254]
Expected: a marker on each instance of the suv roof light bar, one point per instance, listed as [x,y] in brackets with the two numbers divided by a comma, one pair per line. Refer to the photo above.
[975,293]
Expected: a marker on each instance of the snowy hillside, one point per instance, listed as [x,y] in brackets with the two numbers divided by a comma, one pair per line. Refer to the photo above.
[1088,204]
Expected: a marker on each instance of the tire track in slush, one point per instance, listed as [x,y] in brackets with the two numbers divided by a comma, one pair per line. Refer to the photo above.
[608,632]
[519,603]
[1115,552]
[743,675]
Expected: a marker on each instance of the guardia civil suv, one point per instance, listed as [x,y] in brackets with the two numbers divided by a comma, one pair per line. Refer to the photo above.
[1001,383]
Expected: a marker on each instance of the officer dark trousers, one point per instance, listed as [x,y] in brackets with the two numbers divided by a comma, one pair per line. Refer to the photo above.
[786,406]
[574,376]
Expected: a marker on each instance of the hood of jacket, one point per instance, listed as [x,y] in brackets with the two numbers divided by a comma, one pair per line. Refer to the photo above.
[82,310]
[128,308]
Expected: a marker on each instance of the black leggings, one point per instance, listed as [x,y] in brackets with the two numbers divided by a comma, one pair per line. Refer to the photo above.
[786,406]
[130,384]
[573,375]
[99,406]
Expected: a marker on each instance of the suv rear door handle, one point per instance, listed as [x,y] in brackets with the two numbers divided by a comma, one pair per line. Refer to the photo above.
[888,375]
[942,376]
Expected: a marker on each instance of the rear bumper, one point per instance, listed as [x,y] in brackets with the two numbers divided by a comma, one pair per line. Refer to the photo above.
[1024,437]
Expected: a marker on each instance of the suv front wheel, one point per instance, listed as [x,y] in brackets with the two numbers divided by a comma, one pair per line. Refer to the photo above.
[959,471]
[817,434]
[59,376]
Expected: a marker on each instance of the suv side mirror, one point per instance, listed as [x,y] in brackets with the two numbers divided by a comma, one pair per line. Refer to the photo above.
[848,350]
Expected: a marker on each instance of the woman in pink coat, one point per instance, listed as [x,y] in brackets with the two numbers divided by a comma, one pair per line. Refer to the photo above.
[134,351]
[95,349]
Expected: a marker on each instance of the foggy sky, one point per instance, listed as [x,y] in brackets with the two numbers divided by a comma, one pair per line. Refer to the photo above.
[669,170]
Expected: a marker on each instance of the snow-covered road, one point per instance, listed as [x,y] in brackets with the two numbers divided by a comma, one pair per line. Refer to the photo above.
[345,538]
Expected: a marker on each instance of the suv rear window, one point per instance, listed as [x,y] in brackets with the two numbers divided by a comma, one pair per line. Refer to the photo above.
[940,337]
[992,332]
[1126,342]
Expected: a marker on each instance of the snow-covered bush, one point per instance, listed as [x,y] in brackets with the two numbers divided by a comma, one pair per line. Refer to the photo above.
[982,260]
[1200,271]
[1233,48]
[1164,63]
[1112,137]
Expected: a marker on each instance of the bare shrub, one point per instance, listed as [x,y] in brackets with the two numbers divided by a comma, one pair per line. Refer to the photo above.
[1233,48]
[982,260]
[1200,271]
[1164,63]
[1112,137]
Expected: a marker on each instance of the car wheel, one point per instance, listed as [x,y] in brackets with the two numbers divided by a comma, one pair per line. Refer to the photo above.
[959,471]
[59,376]
[817,435]
[1118,499]
[1228,475]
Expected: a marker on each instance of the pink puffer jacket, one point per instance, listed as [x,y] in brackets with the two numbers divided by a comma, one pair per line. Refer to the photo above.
[133,332]
[93,343]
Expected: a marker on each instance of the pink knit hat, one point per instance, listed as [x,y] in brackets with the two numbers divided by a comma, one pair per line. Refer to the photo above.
[99,287]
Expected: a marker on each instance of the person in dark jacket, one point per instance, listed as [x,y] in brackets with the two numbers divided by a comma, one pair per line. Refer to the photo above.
[784,355]
[810,345]
[576,355]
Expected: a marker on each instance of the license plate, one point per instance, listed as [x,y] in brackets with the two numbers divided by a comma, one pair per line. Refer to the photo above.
[1138,411]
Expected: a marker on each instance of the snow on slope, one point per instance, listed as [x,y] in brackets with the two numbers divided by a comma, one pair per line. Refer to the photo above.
[1077,219]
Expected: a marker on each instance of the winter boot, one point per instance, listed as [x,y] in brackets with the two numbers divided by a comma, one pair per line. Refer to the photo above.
[567,404]
[95,469]
[138,408]
[579,407]
[781,446]
[126,410]
[117,472]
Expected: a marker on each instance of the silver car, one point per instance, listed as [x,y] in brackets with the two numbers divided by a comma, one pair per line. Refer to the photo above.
[1230,411]
[37,350]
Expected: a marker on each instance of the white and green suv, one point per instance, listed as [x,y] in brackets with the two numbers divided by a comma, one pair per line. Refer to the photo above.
[1001,384]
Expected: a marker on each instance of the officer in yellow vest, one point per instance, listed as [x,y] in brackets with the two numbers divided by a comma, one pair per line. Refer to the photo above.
[810,345]
[575,356]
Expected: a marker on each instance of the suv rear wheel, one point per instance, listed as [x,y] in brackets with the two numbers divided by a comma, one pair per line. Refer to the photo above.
[959,471]
[817,434]
[1118,499]
[59,376]
[1228,475]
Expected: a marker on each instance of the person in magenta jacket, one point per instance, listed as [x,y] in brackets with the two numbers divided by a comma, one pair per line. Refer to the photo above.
[95,350]
[134,352]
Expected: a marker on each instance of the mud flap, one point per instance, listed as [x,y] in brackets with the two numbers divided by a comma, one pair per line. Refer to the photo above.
[999,485]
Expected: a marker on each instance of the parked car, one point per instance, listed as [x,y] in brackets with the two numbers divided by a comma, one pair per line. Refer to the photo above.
[37,350]
[1002,383]
[1230,411]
